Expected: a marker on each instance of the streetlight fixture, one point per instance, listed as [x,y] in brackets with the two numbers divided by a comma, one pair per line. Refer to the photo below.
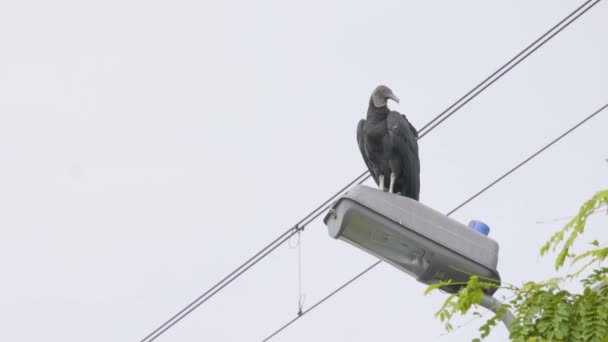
[416,239]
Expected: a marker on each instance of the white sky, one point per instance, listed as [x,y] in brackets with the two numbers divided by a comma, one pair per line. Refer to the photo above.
[148,148]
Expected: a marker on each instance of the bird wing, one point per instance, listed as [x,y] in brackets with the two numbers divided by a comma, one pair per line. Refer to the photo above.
[404,140]
[364,153]
[412,128]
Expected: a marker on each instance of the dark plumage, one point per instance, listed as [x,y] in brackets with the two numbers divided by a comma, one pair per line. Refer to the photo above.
[389,146]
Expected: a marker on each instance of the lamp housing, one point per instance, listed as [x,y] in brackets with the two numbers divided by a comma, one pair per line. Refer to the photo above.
[416,239]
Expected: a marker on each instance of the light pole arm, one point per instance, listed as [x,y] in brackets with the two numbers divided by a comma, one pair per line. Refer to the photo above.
[494,305]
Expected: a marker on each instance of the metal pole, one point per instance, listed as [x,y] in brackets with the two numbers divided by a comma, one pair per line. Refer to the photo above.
[599,286]
[494,305]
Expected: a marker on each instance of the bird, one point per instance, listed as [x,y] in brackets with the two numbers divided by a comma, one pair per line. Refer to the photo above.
[389,145]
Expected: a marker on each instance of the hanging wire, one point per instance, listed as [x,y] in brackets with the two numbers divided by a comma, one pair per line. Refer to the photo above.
[298,245]
[301,296]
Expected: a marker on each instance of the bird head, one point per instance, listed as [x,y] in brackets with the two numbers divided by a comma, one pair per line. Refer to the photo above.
[381,94]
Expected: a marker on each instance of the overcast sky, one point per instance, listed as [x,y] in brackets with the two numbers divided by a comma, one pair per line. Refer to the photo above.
[148,148]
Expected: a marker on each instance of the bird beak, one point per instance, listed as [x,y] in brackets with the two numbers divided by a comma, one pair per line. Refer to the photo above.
[394,98]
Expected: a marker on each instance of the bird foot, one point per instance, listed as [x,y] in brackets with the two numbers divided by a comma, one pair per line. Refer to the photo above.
[392,186]
[381,183]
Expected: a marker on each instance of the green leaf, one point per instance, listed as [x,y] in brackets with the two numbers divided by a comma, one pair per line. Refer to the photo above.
[543,310]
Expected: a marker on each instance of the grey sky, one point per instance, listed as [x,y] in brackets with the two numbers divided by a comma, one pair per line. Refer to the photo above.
[147,148]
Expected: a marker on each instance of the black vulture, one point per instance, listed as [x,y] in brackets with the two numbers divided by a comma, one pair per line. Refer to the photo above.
[389,145]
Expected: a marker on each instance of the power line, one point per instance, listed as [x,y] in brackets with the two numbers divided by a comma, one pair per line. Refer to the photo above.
[530,49]
[322,300]
[311,216]
[529,158]
[193,303]
[178,317]
[592,2]
[513,60]
[372,266]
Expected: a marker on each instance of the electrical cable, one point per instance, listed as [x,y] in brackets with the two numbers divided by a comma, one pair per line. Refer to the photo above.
[504,69]
[217,285]
[512,60]
[195,305]
[592,4]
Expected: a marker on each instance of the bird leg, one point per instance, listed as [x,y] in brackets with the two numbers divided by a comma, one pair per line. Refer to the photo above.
[381,183]
[393,177]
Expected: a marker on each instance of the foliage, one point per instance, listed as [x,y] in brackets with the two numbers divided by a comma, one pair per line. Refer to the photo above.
[543,310]
[576,227]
